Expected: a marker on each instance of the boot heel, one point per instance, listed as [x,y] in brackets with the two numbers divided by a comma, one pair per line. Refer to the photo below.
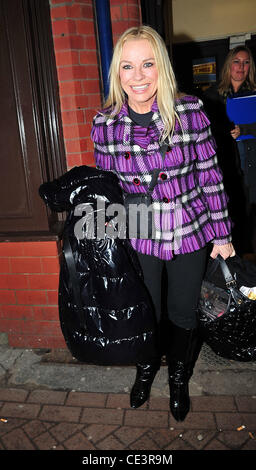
[141,389]
[179,398]
[181,358]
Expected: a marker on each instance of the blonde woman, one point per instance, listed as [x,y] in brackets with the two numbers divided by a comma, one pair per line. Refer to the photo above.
[238,72]
[236,159]
[238,78]
[147,127]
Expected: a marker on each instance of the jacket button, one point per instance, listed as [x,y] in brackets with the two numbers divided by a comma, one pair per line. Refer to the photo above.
[127,155]
[163,176]
[166,199]
[136,181]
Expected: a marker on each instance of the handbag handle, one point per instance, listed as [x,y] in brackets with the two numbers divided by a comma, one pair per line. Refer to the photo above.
[73,277]
[229,279]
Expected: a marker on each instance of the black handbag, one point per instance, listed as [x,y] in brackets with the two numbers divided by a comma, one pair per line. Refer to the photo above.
[140,212]
[227,318]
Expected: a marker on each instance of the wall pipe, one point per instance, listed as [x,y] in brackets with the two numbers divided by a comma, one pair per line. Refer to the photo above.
[105,39]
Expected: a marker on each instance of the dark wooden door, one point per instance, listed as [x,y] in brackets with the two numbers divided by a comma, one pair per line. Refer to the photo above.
[26,156]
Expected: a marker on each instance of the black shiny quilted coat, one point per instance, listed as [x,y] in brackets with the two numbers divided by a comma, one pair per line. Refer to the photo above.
[116,323]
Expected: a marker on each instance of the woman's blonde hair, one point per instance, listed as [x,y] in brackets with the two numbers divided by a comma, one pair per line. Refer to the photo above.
[225,82]
[166,87]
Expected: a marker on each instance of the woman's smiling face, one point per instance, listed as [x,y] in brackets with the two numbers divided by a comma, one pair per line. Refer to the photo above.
[138,74]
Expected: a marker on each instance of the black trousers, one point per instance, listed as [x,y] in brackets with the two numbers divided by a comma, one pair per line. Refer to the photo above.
[184,278]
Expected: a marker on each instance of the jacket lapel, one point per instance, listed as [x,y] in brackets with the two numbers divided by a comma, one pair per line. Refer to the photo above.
[125,128]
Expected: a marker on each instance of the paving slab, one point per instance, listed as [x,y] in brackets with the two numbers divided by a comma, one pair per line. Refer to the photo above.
[36,422]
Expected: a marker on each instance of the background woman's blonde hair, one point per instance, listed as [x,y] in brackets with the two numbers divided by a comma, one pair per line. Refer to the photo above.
[166,87]
[225,82]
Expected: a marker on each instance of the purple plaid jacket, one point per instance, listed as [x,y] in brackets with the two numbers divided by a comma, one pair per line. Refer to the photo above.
[189,201]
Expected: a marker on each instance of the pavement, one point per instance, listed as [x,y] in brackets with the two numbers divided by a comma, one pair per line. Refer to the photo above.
[49,401]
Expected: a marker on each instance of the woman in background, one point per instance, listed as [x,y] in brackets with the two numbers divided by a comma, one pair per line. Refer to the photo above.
[237,159]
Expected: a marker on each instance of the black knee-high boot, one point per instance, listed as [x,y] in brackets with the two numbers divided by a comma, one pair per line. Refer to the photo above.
[144,378]
[181,356]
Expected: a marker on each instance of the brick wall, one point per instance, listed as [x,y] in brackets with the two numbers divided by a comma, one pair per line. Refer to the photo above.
[29,270]
[124,15]
[78,75]
[77,68]
[29,294]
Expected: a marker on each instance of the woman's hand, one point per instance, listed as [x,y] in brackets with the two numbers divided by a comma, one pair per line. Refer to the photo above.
[224,250]
[235,132]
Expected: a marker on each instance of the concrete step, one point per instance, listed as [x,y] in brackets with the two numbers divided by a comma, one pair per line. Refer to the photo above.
[57,370]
